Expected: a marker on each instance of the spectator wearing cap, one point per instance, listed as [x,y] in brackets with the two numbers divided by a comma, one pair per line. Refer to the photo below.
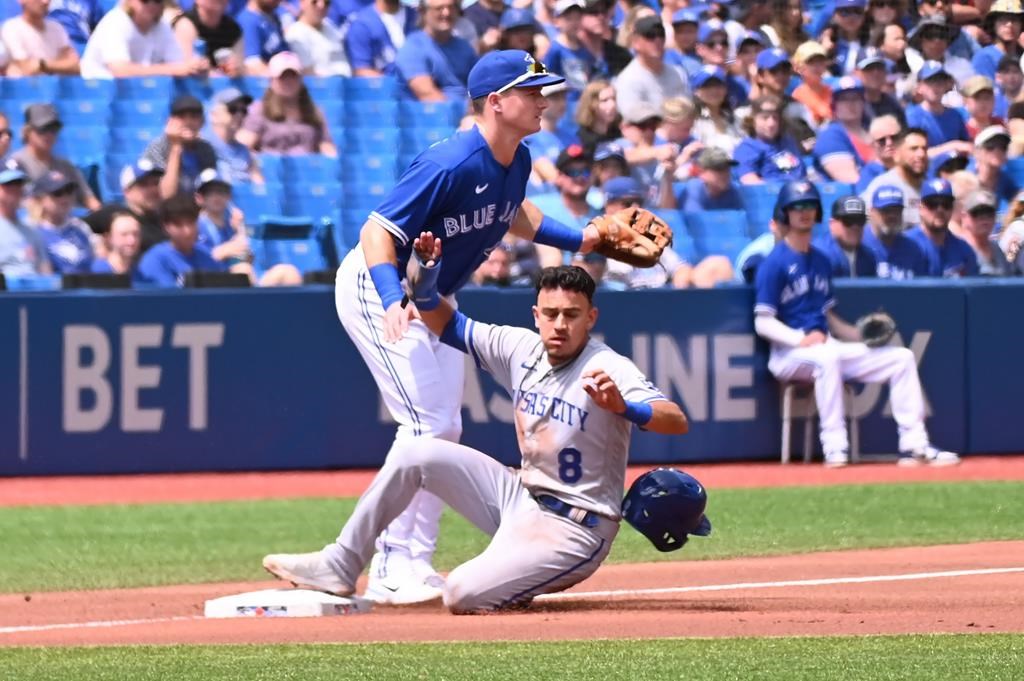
[78,18]
[1009,80]
[567,55]
[166,264]
[220,36]
[768,153]
[978,221]
[873,72]
[929,41]
[1004,24]
[774,72]
[843,146]
[180,151]
[286,121]
[885,133]
[678,116]
[716,124]
[681,50]
[713,188]
[627,27]
[811,63]
[316,42]
[597,115]
[36,44]
[140,184]
[67,238]
[547,143]
[518,31]
[36,158]
[989,163]
[234,160]
[948,255]
[743,69]
[568,204]
[908,175]
[22,252]
[947,164]
[262,35]
[121,244]
[898,256]
[748,16]
[846,35]
[979,95]
[609,162]
[785,28]
[374,36]
[651,159]
[648,78]
[133,40]
[945,127]
[844,242]
[713,49]
[434,64]
[952,14]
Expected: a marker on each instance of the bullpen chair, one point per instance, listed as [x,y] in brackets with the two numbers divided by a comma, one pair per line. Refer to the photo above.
[800,395]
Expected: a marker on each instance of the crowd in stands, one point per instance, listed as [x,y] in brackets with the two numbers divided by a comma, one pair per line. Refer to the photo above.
[151,138]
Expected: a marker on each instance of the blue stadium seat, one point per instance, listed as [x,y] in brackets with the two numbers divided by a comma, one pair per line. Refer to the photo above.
[29,90]
[278,239]
[415,140]
[325,88]
[830,191]
[132,141]
[729,246]
[760,202]
[682,242]
[334,114]
[316,200]
[82,144]
[110,175]
[14,110]
[139,113]
[413,114]
[200,88]
[352,221]
[82,90]
[371,89]
[84,112]
[365,196]
[159,88]
[371,140]
[371,114]
[368,168]
[717,224]
[272,166]
[311,168]
[257,199]
[254,86]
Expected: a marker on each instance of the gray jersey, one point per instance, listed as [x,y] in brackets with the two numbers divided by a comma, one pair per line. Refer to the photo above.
[571,448]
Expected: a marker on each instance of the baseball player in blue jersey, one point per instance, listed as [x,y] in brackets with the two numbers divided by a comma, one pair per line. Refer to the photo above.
[948,255]
[553,521]
[793,310]
[468,190]
[898,257]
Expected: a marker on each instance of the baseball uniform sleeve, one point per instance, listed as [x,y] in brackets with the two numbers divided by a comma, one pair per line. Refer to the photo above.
[768,288]
[497,349]
[634,386]
[420,193]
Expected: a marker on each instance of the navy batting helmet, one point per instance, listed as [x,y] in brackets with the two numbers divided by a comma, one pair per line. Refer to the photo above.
[793,192]
[665,505]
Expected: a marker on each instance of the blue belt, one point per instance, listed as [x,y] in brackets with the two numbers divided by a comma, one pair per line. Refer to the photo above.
[577,515]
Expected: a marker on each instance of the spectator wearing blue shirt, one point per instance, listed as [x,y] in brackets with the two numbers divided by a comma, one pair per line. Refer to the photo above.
[945,164]
[774,73]
[713,49]
[1004,22]
[547,143]
[682,48]
[433,64]
[123,241]
[885,134]
[166,264]
[843,146]
[67,238]
[898,257]
[989,163]
[768,153]
[341,12]
[1009,79]
[375,34]
[713,188]
[567,56]
[944,126]
[948,255]
[78,17]
[568,203]
[262,35]
[844,244]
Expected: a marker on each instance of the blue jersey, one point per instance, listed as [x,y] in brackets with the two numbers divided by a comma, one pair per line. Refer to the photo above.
[78,17]
[903,259]
[868,173]
[458,191]
[367,43]
[68,247]
[864,260]
[941,128]
[210,235]
[834,143]
[795,287]
[578,66]
[262,35]
[165,266]
[771,161]
[954,259]
[447,64]
[986,60]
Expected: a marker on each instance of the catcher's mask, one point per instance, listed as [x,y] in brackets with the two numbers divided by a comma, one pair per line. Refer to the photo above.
[665,505]
[796,191]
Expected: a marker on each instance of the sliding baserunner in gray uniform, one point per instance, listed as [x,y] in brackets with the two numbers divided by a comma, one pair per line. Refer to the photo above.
[553,522]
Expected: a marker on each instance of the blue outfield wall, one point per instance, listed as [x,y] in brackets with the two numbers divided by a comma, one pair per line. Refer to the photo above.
[119,382]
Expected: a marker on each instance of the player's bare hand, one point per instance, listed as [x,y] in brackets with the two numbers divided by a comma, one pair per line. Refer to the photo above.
[603,391]
[813,338]
[396,321]
[428,248]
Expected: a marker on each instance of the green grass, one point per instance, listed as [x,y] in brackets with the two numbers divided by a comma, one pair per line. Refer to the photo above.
[941,657]
[87,547]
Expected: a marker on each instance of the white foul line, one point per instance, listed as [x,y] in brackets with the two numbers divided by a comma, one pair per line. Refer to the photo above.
[776,585]
[586,594]
[23,383]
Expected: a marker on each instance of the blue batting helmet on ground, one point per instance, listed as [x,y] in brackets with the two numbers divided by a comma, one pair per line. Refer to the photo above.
[793,192]
[666,505]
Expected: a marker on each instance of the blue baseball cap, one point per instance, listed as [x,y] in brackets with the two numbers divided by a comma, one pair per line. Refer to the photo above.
[936,187]
[709,28]
[52,182]
[771,58]
[622,187]
[514,17]
[503,70]
[932,69]
[707,73]
[844,4]
[687,15]
[607,150]
[751,37]
[947,158]
[887,196]
[11,171]
[847,84]
[211,176]
[871,56]
[134,172]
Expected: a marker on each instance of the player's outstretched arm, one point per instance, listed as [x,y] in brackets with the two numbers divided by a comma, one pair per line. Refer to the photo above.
[531,224]
[658,416]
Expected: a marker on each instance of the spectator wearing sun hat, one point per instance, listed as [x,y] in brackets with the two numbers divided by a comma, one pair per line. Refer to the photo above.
[843,146]
[811,63]
[979,95]
[930,41]
[1004,23]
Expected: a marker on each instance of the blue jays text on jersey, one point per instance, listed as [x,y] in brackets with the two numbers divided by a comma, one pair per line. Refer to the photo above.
[539,404]
[795,287]
[458,191]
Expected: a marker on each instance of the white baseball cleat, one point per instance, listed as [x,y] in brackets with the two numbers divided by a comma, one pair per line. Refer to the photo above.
[308,571]
[928,456]
[837,459]
[400,583]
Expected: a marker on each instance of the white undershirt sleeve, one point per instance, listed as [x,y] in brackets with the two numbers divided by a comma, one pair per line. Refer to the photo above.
[771,329]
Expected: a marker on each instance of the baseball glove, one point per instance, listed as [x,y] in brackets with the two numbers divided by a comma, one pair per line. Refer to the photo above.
[633,235]
[876,328]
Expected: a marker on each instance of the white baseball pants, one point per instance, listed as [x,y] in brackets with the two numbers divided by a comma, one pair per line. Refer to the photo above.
[831,363]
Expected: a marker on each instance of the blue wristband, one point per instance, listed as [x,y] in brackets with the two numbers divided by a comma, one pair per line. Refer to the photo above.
[424,289]
[388,285]
[553,233]
[639,413]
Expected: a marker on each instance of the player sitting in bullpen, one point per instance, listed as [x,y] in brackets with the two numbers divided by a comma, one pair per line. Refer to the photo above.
[553,522]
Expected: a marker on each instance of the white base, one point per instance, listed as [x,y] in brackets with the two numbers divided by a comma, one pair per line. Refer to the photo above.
[286,603]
